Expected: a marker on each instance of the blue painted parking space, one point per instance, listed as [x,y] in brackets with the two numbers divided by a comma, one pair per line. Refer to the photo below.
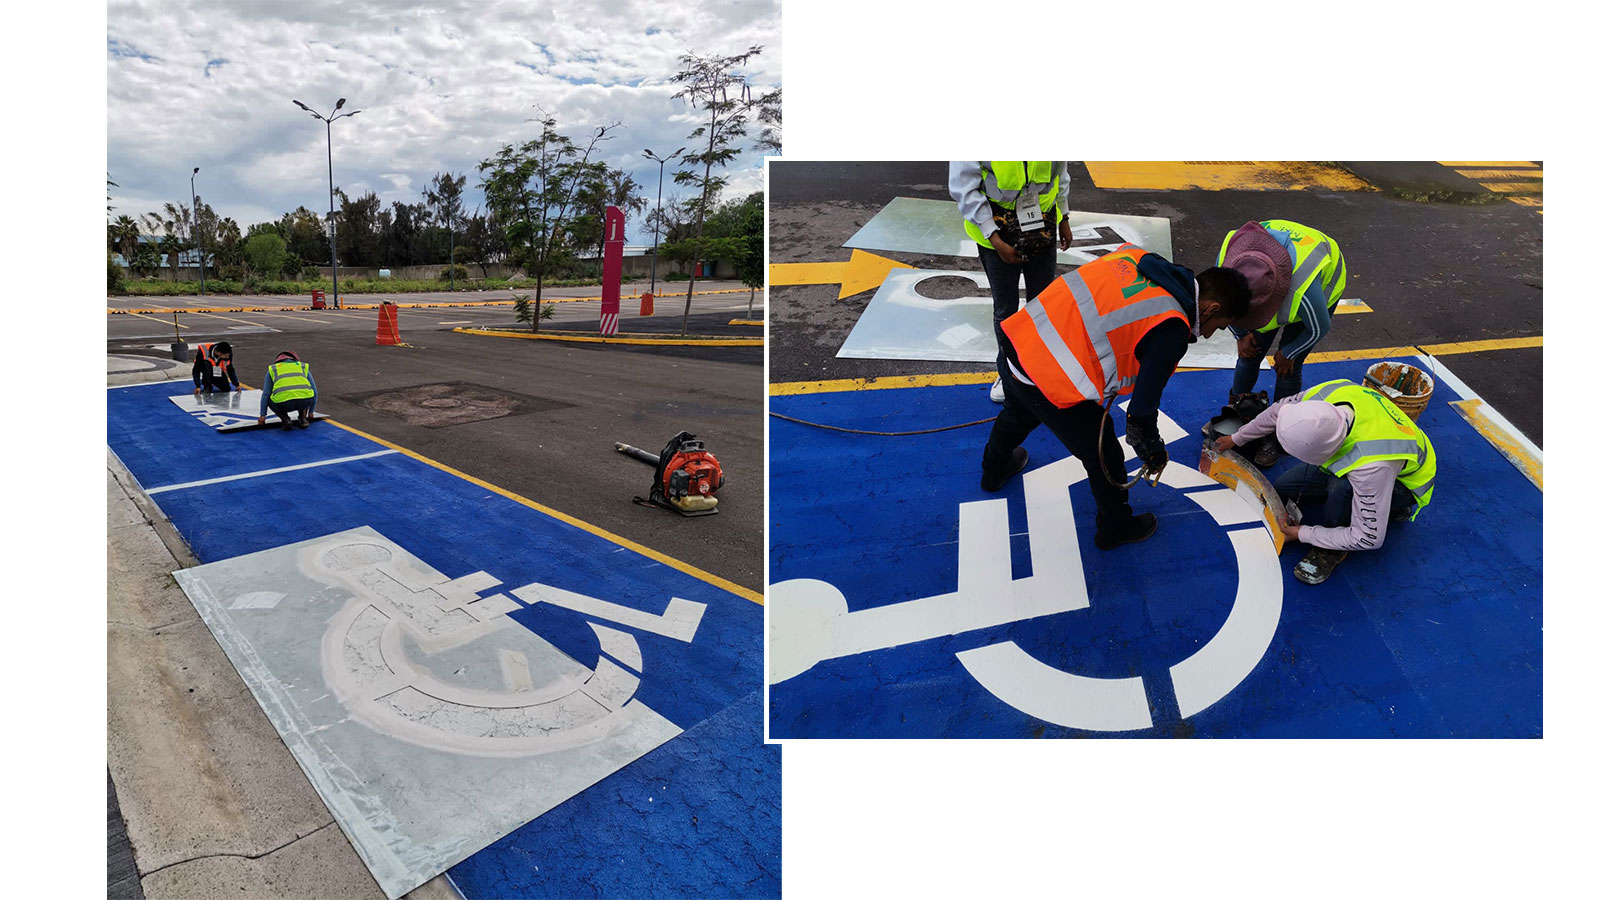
[698,815]
[1194,632]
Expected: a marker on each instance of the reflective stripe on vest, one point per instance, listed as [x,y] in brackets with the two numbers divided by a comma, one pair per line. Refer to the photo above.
[1314,255]
[289,381]
[1076,340]
[215,364]
[1003,183]
[1380,431]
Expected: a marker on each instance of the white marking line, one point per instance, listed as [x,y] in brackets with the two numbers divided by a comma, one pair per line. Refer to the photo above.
[326,462]
[680,621]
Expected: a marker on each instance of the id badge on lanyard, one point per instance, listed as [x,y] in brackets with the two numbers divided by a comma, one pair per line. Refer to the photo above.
[1029,216]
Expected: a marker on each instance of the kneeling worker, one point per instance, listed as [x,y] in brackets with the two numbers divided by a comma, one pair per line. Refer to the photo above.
[1361,456]
[288,388]
[1117,325]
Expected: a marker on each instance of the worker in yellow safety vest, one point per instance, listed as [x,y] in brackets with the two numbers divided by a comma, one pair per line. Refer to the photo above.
[1297,275]
[213,368]
[1117,325]
[1014,212]
[288,388]
[1363,458]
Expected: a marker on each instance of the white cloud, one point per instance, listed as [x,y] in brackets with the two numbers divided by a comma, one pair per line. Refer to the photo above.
[439,88]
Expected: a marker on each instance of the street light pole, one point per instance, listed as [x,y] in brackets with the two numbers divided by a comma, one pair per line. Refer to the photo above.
[661,178]
[194,205]
[333,230]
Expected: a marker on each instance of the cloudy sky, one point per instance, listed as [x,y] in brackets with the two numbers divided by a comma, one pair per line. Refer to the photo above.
[440,86]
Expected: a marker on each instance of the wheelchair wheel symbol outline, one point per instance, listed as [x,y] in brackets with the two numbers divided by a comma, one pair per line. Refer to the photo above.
[809,619]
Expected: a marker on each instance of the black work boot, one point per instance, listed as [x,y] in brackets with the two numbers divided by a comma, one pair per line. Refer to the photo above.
[1019,459]
[1318,564]
[1142,526]
[287,425]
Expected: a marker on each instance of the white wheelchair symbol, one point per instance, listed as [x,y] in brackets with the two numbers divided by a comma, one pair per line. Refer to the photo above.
[809,620]
[479,682]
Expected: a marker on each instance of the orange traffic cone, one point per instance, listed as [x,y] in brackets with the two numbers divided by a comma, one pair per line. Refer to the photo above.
[388,325]
[647,304]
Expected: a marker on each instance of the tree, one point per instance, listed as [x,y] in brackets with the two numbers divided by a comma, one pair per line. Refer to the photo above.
[714,84]
[265,254]
[174,223]
[771,116]
[229,243]
[403,239]
[306,234]
[123,235]
[537,189]
[444,199]
[360,228]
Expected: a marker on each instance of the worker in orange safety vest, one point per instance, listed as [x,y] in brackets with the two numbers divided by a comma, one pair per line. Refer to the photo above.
[1118,325]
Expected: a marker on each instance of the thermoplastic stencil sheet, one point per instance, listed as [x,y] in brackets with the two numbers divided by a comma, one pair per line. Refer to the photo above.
[934,227]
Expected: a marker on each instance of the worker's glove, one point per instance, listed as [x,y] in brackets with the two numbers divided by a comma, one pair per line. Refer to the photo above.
[1147,445]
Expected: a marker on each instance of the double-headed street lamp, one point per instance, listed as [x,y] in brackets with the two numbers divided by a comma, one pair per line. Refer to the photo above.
[194,205]
[333,246]
[661,177]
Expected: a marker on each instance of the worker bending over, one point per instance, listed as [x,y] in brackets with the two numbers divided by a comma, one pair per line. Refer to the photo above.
[213,368]
[1296,275]
[1362,457]
[288,388]
[1117,325]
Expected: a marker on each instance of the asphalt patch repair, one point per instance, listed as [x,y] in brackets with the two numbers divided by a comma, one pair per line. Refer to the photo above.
[453,403]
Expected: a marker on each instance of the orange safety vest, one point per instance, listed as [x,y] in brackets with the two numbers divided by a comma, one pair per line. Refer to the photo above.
[1075,340]
[206,356]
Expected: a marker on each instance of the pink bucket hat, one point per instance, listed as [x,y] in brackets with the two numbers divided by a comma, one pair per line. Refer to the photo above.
[1266,265]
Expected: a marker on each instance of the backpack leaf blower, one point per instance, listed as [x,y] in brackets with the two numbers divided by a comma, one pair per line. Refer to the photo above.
[687,476]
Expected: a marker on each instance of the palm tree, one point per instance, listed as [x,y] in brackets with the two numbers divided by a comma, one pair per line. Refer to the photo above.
[124,235]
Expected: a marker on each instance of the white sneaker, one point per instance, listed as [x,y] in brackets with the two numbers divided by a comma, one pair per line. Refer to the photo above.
[997,392]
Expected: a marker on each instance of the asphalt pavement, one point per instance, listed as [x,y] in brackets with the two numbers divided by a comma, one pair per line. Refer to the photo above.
[1437,260]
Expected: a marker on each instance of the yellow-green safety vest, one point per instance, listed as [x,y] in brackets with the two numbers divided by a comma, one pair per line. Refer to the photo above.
[1313,254]
[1003,183]
[1380,431]
[290,381]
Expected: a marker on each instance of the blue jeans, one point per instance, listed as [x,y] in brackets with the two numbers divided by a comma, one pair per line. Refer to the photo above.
[1247,369]
[1308,484]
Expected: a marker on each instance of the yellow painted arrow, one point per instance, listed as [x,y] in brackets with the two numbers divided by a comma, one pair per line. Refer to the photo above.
[862,272]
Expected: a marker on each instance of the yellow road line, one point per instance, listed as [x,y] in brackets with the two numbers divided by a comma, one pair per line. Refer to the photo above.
[1223,176]
[1345,309]
[585,339]
[1509,447]
[1488,165]
[747,322]
[1513,187]
[1502,173]
[717,580]
[1528,201]
[783,389]
[154,319]
[232,319]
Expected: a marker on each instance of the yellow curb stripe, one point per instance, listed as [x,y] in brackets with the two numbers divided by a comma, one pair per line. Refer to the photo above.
[665,342]
[1528,201]
[1502,173]
[441,303]
[747,322]
[1487,165]
[1509,447]
[152,318]
[790,388]
[596,530]
[1345,309]
[1514,187]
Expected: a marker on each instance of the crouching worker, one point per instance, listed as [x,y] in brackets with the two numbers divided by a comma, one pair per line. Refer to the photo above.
[288,388]
[213,368]
[1361,457]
